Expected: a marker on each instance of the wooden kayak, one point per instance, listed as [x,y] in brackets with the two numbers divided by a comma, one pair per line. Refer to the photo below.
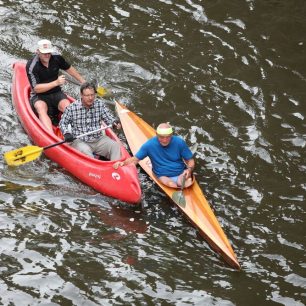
[196,208]
[122,184]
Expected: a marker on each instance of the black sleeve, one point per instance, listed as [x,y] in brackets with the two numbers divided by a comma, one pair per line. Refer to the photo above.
[63,64]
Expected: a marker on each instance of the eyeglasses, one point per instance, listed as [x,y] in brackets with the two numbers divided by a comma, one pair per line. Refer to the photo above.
[88,95]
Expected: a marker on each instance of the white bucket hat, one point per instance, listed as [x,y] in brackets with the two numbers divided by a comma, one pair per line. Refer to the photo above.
[45,46]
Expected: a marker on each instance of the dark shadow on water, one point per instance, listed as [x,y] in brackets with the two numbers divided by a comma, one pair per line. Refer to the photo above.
[125,217]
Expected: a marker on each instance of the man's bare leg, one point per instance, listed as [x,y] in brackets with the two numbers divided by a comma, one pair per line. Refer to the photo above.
[167,181]
[42,111]
[63,104]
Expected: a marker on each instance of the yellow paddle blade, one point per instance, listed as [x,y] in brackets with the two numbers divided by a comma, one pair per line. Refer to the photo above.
[22,155]
[102,92]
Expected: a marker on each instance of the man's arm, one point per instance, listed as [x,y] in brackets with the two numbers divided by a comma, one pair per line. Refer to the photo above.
[75,74]
[43,87]
[65,121]
[141,153]
[107,116]
[190,163]
[132,160]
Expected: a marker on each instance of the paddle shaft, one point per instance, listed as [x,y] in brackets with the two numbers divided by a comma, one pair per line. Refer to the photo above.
[80,136]
[54,145]
[73,81]
[26,154]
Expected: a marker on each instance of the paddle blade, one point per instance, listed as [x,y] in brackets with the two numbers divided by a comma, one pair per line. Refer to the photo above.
[101,91]
[104,92]
[179,198]
[22,155]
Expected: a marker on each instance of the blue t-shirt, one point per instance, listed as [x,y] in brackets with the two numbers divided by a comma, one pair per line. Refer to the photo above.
[168,160]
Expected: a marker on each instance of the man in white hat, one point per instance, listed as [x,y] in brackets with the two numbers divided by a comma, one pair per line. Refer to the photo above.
[170,157]
[46,96]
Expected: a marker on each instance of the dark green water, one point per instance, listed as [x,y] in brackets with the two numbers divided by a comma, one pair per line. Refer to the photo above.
[230,75]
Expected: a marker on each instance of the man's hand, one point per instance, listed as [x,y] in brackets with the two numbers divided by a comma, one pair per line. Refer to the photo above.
[188,173]
[118,164]
[116,125]
[61,80]
[69,137]
[126,162]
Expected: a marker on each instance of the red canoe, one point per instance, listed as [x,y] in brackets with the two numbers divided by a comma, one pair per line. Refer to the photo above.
[122,184]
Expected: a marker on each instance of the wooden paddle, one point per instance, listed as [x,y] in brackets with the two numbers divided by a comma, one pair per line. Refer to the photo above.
[29,153]
[178,196]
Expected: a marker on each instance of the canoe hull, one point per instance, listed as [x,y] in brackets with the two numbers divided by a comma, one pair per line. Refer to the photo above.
[122,184]
[197,209]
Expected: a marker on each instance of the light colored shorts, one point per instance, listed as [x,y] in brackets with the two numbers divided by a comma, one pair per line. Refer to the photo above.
[173,178]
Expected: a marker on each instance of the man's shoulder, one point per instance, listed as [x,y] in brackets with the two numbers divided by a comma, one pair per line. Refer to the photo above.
[152,142]
[178,139]
[32,62]
[178,142]
[56,55]
[59,60]
[100,105]
[75,105]
[56,58]
[99,102]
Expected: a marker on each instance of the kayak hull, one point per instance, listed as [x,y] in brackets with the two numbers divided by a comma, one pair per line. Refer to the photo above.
[122,184]
[196,207]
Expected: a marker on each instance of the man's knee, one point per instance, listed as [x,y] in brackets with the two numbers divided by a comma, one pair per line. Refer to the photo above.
[116,151]
[41,106]
[63,104]
[82,147]
[117,148]
[188,182]
[167,181]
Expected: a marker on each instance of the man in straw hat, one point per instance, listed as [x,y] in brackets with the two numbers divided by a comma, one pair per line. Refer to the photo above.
[170,157]
[46,96]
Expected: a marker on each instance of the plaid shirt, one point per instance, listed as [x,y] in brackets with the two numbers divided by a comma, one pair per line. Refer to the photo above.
[83,120]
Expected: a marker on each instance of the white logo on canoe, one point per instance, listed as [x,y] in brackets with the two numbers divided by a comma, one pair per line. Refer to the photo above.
[97,176]
[116,176]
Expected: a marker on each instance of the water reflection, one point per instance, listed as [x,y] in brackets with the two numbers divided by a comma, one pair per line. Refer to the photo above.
[130,221]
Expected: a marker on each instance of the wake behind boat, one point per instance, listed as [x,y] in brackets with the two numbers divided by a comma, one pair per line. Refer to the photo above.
[195,207]
[122,184]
